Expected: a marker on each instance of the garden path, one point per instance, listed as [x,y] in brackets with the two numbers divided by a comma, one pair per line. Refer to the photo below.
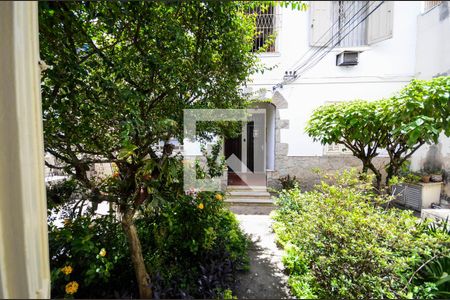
[266,278]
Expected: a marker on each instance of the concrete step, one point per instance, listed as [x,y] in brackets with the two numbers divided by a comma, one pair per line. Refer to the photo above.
[245,198]
[249,201]
[246,188]
[247,194]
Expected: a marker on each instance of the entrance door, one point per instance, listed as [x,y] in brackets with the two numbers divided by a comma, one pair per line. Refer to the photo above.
[244,149]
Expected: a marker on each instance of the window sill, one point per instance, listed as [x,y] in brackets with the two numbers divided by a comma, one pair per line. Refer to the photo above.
[269,54]
[356,49]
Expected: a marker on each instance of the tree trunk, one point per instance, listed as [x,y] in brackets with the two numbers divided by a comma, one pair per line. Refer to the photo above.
[368,165]
[391,171]
[365,168]
[142,277]
[377,176]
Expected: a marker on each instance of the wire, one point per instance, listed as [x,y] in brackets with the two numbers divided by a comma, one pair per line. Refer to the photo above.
[342,29]
[311,62]
[323,35]
[315,60]
[333,37]
[310,65]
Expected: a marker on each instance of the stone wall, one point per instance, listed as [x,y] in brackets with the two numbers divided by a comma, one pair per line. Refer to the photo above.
[303,167]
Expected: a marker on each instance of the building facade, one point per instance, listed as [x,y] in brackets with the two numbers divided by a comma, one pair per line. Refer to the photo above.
[334,51]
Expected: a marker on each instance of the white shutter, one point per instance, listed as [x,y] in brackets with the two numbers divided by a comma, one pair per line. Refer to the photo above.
[380,22]
[320,22]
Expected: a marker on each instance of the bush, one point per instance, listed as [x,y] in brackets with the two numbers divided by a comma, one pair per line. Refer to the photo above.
[340,243]
[287,182]
[192,244]
[94,254]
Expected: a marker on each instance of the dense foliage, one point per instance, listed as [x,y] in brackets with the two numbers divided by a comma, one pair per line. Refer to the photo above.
[120,75]
[192,245]
[341,243]
[401,124]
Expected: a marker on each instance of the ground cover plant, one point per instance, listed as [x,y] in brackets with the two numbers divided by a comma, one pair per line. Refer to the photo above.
[192,244]
[341,242]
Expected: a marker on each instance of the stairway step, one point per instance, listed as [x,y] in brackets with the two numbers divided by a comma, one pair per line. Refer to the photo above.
[249,201]
[246,188]
[249,194]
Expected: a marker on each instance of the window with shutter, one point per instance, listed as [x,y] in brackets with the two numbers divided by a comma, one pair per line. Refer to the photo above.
[347,29]
[380,23]
[320,22]
[345,23]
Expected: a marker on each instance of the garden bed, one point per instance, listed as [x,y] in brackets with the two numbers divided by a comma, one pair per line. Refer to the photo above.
[340,242]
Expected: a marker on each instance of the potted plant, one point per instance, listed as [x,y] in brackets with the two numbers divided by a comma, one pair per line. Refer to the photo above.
[436,175]
[425,177]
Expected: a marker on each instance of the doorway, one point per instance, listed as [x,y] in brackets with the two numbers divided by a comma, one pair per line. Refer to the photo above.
[247,147]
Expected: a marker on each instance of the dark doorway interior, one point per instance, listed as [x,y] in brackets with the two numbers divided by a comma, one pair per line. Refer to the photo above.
[250,146]
[234,146]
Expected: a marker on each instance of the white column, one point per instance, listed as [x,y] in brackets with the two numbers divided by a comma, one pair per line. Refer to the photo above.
[24,262]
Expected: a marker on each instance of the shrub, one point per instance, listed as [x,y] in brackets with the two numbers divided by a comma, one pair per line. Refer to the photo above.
[287,182]
[97,253]
[194,251]
[340,243]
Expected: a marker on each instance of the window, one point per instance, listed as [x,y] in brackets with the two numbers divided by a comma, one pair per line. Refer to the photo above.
[336,149]
[345,23]
[346,15]
[265,27]
[430,4]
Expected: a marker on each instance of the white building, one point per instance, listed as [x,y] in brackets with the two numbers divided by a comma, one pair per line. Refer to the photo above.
[390,39]
[433,59]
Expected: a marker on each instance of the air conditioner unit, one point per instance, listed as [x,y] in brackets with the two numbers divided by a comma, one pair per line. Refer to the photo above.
[347,58]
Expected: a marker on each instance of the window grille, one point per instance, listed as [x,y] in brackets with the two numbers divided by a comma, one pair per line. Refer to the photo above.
[265,27]
[346,15]
[430,4]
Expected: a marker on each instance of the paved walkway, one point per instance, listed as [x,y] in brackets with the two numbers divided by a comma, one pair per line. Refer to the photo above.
[266,278]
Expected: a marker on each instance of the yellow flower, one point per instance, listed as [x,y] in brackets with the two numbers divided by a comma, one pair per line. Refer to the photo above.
[219,197]
[201,206]
[67,270]
[102,252]
[71,287]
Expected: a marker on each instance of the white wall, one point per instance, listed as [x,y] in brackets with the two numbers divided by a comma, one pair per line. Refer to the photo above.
[433,59]
[433,42]
[383,69]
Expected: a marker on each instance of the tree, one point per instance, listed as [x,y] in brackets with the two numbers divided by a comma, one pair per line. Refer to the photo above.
[353,124]
[400,124]
[120,75]
[414,117]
